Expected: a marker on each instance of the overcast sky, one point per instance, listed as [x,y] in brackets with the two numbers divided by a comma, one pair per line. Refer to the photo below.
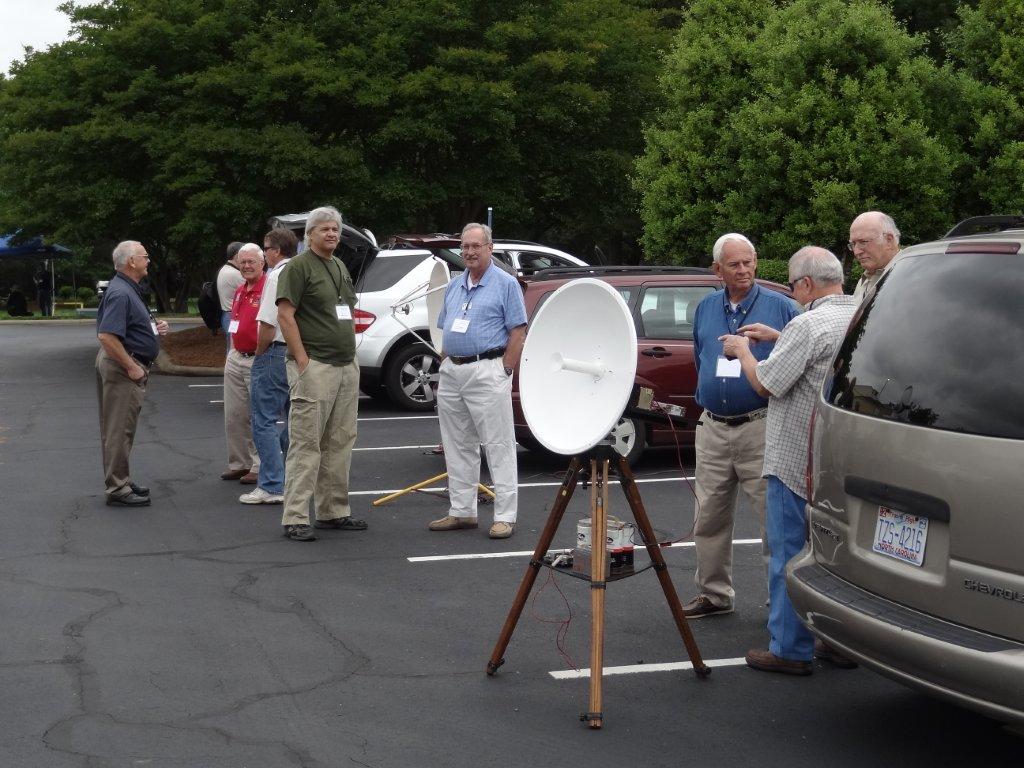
[29,22]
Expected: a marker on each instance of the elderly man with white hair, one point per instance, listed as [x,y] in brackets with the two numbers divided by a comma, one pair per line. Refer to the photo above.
[128,336]
[791,378]
[315,304]
[730,433]
[874,243]
[243,459]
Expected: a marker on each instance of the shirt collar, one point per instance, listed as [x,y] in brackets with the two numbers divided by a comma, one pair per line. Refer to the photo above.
[483,277]
[135,286]
[747,302]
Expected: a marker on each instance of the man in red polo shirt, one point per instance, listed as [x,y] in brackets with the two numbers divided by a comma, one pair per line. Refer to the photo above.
[243,460]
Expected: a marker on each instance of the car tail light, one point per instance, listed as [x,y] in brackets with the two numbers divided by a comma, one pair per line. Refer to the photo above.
[810,458]
[362,320]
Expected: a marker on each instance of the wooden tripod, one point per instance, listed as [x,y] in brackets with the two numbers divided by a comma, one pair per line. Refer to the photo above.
[599,460]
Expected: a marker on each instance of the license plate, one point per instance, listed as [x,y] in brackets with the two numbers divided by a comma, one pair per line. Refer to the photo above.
[901,536]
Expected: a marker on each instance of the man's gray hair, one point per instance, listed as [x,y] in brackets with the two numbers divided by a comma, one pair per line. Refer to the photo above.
[482,227]
[319,215]
[247,247]
[819,264]
[716,250]
[124,251]
[885,223]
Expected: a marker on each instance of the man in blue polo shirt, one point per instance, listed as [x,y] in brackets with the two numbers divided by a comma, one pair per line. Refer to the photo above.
[484,325]
[731,432]
[128,336]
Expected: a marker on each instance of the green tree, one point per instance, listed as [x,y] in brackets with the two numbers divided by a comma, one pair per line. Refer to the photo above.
[989,45]
[185,124]
[785,122]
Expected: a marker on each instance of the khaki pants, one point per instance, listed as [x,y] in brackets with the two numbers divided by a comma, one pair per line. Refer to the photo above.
[321,434]
[120,400]
[237,423]
[728,458]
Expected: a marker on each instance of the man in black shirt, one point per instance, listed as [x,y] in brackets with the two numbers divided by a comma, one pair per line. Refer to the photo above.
[129,343]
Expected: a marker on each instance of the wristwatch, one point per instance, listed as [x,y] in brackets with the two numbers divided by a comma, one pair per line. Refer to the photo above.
[508,371]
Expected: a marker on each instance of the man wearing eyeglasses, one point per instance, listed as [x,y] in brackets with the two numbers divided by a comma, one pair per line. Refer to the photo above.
[129,343]
[874,243]
[484,325]
[790,378]
[730,433]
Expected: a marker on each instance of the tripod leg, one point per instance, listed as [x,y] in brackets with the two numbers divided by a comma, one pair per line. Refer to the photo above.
[636,504]
[554,518]
[598,558]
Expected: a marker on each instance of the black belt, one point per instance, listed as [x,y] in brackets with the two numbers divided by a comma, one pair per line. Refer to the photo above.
[490,354]
[279,343]
[245,354]
[735,421]
[141,360]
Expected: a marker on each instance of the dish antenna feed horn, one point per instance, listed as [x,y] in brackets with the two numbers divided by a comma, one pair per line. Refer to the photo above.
[575,380]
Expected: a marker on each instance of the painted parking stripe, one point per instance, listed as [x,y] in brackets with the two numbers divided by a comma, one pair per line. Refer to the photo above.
[202,386]
[527,553]
[397,448]
[437,488]
[396,418]
[633,669]
[216,401]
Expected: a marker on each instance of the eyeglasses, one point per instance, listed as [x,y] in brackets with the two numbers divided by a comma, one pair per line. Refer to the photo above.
[474,246]
[863,243]
[792,284]
[270,248]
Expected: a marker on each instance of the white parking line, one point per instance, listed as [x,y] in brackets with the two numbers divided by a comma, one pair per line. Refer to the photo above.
[216,401]
[526,553]
[435,489]
[201,386]
[632,669]
[396,418]
[397,448]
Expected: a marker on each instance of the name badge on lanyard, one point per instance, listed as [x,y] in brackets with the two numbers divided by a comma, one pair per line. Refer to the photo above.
[153,326]
[233,326]
[460,325]
[728,369]
[343,311]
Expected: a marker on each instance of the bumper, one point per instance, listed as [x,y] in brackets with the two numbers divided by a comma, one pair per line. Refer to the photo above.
[973,669]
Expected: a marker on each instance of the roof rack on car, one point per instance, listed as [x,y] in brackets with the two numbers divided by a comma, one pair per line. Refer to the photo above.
[556,272]
[977,225]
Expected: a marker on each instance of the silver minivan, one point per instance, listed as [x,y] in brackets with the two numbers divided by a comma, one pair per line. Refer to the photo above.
[915,560]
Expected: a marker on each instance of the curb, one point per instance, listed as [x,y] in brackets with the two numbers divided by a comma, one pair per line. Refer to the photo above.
[164,365]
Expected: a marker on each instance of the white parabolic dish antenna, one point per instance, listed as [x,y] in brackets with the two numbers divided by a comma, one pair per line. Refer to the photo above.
[578,366]
[435,301]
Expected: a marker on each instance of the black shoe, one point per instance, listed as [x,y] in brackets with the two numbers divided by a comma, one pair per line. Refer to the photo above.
[702,606]
[299,533]
[139,490]
[342,524]
[128,500]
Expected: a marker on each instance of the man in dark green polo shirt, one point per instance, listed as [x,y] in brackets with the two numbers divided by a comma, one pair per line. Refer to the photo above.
[315,303]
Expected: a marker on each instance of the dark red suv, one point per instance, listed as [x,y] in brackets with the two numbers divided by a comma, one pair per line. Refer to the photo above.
[663,301]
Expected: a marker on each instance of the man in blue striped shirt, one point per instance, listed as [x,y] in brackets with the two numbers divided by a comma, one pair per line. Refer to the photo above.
[731,432]
[484,325]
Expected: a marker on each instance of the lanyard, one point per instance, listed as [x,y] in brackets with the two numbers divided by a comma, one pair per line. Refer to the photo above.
[729,313]
[337,285]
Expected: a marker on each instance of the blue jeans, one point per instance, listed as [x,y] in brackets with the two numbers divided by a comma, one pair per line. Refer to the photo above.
[786,527]
[269,401]
[225,323]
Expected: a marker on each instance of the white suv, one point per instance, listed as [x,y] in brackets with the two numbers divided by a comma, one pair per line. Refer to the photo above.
[393,360]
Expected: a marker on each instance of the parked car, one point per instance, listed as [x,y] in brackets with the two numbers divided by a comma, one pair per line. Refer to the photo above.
[393,360]
[663,301]
[357,249]
[915,488]
[522,256]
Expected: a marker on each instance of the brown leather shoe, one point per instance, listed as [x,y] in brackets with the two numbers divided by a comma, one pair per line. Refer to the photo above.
[450,523]
[766,661]
[233,474]
[249,478]
[826,652]
[702,606]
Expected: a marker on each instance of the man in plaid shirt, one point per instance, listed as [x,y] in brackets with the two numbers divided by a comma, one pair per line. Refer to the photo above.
[791,378]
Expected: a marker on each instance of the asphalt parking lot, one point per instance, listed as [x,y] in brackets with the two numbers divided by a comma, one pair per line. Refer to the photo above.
[191,633]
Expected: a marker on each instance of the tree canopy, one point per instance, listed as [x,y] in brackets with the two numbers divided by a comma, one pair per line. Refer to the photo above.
[785,122]
[186,123]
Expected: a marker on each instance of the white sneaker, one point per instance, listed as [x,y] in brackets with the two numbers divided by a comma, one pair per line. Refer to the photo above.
[259,496]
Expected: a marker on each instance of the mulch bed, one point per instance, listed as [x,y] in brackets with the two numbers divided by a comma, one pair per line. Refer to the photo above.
[195,347]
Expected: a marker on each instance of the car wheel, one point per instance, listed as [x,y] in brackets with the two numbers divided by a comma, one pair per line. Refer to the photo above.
[411,377]
[628,439]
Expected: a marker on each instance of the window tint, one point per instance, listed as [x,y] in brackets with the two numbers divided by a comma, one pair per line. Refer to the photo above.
[385,271]
[937,347]
[667,312]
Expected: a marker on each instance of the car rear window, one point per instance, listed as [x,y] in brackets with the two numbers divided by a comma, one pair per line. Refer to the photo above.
[385,271]
[939,347]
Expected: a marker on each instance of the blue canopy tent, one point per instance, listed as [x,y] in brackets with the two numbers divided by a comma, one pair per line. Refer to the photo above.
[33,249]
